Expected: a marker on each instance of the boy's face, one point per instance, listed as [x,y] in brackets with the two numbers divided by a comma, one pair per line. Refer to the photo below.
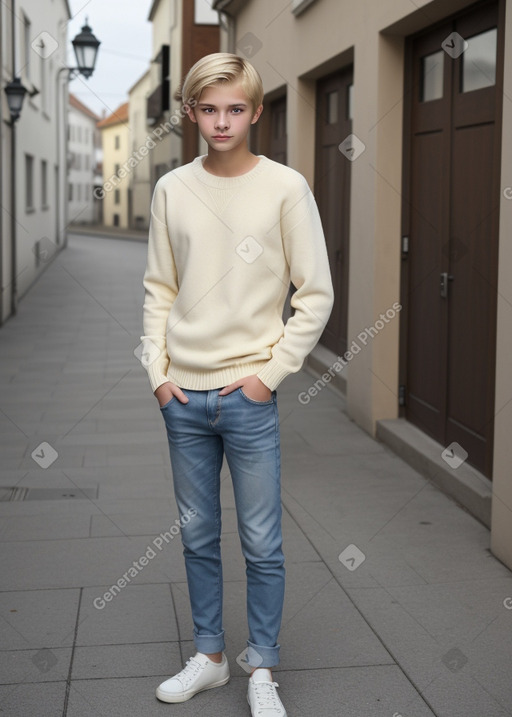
[224,114]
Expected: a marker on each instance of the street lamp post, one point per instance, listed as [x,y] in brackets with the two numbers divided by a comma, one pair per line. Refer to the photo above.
[86,47]
[15,92]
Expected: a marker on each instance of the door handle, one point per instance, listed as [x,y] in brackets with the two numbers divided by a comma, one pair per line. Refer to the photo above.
[443,283]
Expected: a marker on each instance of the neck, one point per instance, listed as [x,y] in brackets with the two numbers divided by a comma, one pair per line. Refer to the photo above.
[230,164]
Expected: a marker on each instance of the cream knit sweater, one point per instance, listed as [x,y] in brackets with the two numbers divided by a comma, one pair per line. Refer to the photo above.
[221,254]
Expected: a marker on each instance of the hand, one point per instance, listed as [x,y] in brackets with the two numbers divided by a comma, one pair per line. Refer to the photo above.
[166,391]
[252,387]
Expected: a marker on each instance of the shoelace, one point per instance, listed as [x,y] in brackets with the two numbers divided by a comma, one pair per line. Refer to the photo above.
[189,672]
[266,696]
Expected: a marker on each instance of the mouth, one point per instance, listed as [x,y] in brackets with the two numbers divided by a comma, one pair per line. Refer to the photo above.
[221,136]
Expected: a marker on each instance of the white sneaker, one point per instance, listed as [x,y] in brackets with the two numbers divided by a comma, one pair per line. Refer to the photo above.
[199,674]
[262,695]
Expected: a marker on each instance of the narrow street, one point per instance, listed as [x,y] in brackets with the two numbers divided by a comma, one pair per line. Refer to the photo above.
[395,606]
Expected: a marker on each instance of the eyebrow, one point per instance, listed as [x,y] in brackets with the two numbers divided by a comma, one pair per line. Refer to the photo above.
[207,104]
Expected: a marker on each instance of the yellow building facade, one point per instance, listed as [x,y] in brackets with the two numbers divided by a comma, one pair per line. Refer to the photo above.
[117,168]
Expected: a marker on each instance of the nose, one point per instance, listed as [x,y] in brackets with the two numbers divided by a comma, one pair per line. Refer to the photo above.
[222,121]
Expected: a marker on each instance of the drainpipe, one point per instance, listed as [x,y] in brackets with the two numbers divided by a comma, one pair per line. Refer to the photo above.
[1,192]
[14,282]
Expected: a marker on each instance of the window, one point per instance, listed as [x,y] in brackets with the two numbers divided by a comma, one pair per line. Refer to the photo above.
[29,182]
[79,138]
[117,141]
[432,75]
[70,192]
[479,61]
[87,162]
[117,167]
[44,184]
[78,193]
[203,13]
[116,220]
[117,196]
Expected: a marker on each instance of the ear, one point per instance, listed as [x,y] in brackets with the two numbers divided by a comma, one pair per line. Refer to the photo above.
[191,113]
[257,114]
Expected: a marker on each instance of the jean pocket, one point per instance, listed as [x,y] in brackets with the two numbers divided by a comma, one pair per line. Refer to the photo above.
[257,403]
[166,405]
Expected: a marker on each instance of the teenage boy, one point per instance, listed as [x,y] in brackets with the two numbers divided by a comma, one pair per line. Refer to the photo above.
[228,233]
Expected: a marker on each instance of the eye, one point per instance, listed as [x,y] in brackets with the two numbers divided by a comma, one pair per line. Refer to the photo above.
[207,110]
[237,109]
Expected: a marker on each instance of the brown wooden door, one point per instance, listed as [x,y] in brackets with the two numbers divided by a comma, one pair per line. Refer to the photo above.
[451,214]
[332,193]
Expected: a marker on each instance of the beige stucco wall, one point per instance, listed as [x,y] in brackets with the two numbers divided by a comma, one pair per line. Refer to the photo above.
[111,157]
[294,52]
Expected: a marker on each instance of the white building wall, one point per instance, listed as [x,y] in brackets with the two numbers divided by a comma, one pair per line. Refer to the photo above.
[39,30]
[82,160]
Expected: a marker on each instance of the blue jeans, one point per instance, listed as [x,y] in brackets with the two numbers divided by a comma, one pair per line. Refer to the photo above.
[200,432]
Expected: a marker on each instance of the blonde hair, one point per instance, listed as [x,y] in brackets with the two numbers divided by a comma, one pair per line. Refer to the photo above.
[220,68]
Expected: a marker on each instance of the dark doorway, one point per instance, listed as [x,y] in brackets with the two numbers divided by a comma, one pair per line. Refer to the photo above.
[332,193]
[451,213]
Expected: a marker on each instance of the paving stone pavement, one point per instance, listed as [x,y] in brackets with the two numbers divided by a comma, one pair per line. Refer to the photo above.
[394,605]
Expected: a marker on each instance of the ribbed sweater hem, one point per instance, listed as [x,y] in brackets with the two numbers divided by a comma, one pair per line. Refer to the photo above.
[207,380]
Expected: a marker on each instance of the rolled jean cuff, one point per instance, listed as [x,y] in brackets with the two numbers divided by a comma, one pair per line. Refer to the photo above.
[260,656]
[209,644]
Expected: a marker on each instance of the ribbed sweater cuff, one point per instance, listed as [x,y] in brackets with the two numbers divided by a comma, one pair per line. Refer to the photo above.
[156,377]
[272,374]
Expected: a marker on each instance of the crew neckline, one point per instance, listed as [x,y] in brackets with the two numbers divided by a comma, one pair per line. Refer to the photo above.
[225,182]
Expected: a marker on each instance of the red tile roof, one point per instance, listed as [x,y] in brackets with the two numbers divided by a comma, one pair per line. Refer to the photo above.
[117,117]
